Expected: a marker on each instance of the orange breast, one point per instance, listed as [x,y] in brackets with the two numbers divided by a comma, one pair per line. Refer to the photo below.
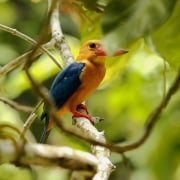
[91,77]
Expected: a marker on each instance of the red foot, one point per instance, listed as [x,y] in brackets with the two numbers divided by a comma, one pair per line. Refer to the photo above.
[77,114]
[82,107]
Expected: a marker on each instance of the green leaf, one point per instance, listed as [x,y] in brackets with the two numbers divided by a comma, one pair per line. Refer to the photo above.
[167,38]
[126,21]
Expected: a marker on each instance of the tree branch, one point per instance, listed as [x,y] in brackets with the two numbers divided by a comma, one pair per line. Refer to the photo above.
[46,155]
[57,34]
[16,105]
[30,119]
[16,62]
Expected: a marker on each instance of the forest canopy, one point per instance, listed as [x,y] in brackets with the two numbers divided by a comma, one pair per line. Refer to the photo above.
[133,87]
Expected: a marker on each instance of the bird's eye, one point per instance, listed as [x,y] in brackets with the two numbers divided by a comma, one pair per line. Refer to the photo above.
[92,45]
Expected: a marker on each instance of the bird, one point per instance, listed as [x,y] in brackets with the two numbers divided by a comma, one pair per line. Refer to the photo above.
[75,83]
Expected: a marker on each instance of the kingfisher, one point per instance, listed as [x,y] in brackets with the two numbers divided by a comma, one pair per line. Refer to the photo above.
[76,83]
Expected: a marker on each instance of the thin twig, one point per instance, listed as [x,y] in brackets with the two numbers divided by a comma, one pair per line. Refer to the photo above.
[29,40]
[15,105]
[15,32]
[30,119]
[8,126]
[16,62]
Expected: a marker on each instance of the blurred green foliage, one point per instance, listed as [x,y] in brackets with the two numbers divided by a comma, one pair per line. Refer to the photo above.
[132,87]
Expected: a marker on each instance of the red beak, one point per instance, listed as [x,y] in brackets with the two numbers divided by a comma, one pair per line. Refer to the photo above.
[101,52]
[120,52]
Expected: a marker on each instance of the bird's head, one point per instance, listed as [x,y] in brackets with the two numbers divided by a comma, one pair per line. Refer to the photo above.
[93,51]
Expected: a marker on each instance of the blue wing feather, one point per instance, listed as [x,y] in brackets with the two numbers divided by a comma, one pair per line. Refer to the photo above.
[64,85]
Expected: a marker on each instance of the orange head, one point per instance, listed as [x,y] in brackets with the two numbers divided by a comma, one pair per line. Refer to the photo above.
[93,51]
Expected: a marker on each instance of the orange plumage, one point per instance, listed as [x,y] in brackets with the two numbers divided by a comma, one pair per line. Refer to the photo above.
[80,80]
[91,76]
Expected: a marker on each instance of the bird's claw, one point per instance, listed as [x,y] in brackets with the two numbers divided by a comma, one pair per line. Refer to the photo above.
[81,115]
[81,111]
[81,107]
[93,120]
[97,119]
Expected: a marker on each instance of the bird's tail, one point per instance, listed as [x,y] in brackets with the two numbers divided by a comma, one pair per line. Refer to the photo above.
[47,129]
